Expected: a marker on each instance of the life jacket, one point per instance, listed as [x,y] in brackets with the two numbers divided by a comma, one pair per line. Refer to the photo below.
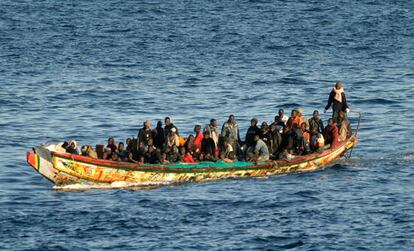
[181,140]
[320,141]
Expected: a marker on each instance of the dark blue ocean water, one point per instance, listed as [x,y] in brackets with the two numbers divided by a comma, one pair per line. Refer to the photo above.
[93,69]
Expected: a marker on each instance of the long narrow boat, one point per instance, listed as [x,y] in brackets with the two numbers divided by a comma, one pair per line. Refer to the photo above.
[65,169]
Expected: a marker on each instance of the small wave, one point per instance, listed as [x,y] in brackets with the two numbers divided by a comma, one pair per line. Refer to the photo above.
[113,185]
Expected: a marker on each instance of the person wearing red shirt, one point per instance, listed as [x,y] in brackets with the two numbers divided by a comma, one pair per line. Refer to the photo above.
[331,134]
[198,137]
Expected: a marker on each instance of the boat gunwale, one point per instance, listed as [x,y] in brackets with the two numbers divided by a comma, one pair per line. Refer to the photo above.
[170,168]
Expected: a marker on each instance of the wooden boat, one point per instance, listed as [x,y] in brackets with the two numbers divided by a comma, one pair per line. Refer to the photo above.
[64,168]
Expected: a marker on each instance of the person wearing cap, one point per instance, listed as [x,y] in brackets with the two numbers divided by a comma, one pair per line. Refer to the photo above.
[337,99]
[171,140]
[145,134]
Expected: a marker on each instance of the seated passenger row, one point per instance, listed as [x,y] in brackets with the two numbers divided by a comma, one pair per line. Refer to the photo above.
[284,138]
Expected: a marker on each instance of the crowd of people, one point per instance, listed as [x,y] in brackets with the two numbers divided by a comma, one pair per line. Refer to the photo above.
[284,138]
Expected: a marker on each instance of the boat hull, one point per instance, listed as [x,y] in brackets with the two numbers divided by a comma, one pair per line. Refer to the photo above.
[64,168]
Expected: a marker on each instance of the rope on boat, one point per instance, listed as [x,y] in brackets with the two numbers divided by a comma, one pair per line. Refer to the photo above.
[348,156]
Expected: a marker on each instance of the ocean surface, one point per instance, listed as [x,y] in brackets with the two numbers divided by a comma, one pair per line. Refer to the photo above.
[88,70]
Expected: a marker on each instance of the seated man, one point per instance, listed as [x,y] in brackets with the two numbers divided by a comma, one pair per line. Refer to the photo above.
[171,140]
[331,134]
[88,151]
[261,152]
[153,155]
[227,153]
[304,140]
[73,148]
[186,156]
[122,153]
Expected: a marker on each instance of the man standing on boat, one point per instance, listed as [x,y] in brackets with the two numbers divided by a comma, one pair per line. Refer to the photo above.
[338,101]
[230,130]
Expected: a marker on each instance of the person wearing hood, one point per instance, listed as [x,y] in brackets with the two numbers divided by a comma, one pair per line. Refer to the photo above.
[73,148]
[158,135]
[337,99]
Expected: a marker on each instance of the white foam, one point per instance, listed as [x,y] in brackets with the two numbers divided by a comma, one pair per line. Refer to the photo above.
[113,185]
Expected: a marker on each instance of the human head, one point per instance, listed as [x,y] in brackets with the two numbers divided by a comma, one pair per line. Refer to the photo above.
[197,128]
[331,122]
[294,114]
[281,112]
[111,141]
[232,119]
[114,157]
[73,143]
[159,123]
[190,138]
[167,121]
[264,126]
[213,122]
[316,114]
[128,141]
[273,127]
[303,126]
[299,110]
[338,85]
[206,135]
[147,124]
[65,145]
[253,122]
[256,137]
[121,146]
[173,130]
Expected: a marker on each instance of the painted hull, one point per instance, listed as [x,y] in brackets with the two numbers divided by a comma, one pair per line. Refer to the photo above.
[64,169]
